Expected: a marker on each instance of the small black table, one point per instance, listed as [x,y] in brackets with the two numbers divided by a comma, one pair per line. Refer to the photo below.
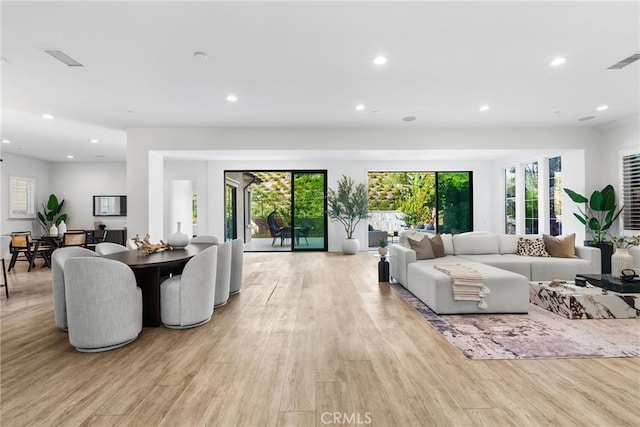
[610,283]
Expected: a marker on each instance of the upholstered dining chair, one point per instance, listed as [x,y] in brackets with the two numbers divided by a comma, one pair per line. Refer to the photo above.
[104,303]
[58,259]
[5,250]
[223,274]
[106,248]
[186,300]
[205,239]
[237,254]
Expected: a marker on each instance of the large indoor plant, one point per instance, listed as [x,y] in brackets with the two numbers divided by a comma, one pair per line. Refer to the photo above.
[348,204]
[599,214]
[51,214]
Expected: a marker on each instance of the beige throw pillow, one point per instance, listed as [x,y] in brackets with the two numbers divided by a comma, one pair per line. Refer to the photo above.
[561,246]
[532,247]
[438,246]
[422,247]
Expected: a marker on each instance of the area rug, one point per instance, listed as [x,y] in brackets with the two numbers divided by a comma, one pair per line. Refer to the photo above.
[537,335]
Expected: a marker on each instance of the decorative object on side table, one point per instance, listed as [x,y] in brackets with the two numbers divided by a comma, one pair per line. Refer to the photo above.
[383,247]
[348,205]
[621,258]
[146,245]
[600,213]
[178,239]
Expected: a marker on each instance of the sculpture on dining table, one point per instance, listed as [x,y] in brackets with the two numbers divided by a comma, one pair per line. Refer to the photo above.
[146,245]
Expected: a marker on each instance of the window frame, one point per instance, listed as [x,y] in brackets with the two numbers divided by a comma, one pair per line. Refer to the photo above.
[16,195]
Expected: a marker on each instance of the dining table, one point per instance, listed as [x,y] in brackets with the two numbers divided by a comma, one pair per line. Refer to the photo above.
[152,269]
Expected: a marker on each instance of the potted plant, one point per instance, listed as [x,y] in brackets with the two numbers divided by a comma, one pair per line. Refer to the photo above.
[51,215]
[599,214]
[382,247]
[348,205]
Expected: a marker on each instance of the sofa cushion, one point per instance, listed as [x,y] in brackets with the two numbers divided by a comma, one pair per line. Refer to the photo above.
[510,262]
[561,246]
[532,247]
[508,243]
[438,246]
[476,243]
[406,234]
[547,269]
[422,248]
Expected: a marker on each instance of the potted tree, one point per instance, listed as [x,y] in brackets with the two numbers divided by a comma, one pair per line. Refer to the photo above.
[51,215]
[348,204]
[599,214]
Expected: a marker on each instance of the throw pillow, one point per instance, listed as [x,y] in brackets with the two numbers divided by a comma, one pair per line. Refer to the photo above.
[438,246]
[561,246]
[532,247]
[422,247]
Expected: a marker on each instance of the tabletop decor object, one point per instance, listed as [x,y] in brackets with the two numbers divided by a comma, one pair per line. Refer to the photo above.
[146,245]
[178,239]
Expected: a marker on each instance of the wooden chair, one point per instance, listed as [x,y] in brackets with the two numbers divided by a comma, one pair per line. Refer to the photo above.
[75,238]
[5,250]
[23,244]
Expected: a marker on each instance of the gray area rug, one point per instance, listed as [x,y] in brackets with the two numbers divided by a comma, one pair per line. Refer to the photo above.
[539,334]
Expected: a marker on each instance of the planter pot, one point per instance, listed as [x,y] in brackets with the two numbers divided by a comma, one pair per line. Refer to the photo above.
[606,250]
[621,260]
[350,246]
[383,251]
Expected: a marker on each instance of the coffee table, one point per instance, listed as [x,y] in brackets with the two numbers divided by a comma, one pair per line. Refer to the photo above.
[589,302]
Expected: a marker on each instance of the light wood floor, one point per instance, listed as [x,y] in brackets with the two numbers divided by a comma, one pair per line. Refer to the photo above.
[311,340]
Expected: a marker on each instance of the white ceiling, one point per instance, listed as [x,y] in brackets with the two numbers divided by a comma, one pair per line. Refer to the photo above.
[307,64]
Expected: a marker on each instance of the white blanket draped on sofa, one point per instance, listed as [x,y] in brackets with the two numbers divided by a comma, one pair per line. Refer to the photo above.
[467,283]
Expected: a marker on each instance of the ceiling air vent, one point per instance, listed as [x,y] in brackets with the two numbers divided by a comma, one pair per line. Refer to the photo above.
[63,57]
[586,118]
[626,61]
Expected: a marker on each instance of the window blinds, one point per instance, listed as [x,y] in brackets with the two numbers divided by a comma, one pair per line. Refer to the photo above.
[631,191]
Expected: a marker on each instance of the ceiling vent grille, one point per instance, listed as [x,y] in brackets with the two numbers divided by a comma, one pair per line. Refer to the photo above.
[626,61]
[63,57]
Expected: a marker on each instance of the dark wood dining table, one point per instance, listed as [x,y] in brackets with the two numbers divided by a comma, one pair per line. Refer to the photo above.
[151,270]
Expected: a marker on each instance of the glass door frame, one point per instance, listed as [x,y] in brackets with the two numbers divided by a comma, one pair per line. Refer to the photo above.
[325,221]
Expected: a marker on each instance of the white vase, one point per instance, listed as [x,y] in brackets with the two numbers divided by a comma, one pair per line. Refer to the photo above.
[350,246]
[383,251]
[62,228]
[53,230]
[620,260]
[178,239]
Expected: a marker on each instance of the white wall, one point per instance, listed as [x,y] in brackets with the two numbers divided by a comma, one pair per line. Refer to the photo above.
[146,147]
[619,136]
[195,171]
[78,182]
[23,166]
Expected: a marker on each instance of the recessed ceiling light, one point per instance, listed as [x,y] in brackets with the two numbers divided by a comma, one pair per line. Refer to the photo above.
[93,141]
[380,60]
[69,156]
[201,56]
[484,108]
[359,107]
[408,119]
[47,116]
[6,141]
[602,107]
[232,98]
[558,61]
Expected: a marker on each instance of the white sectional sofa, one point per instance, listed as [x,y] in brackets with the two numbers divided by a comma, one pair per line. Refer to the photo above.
[495,256]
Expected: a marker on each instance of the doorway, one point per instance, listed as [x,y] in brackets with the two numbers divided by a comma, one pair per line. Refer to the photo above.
[278,211]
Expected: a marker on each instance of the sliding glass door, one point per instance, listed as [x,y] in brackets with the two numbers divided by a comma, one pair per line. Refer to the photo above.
[309,207]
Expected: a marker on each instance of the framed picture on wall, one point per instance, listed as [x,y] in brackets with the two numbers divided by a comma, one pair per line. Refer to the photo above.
[22,197]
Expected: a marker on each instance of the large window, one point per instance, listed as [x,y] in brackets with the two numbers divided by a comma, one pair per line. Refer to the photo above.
[631,192]
[22,197]
[531,197]
[555,196]
[431,200]
[510,201]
